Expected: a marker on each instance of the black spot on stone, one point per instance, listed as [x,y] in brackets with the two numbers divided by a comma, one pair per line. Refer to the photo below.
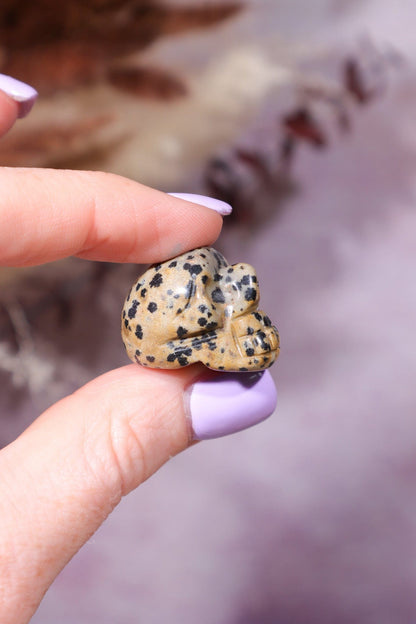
[196,344]
[176,296]
[222,350]
[194,269]
[220,367]
[217,277]
[172,264]
[138,285]
[204,279]
[143,292]
[260,338]
[179,310]
[257,316]
[138,352]
[250,294]
[202,321]
[230,270]
[242,369]
[126,323]
[249,352]
[228,279]
[180,355]
[132,311]
[250,331]
[152,307]
[124,314]
[150,358]
[170,292]
[202,308]
[267,321]
[184,351]
[156,280]
[202,255]
[191,257]
[157,267]
[211,325]
[220,259]
[245,280]
[139,332]
[190,292]
[181,331]
[218,295]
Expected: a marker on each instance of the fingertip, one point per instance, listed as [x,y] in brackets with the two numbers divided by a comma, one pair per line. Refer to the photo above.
[19,92]
[217,205]
[9,113]
[16,101]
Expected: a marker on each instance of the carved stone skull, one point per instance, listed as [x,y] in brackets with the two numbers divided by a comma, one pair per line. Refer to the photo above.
[198,308]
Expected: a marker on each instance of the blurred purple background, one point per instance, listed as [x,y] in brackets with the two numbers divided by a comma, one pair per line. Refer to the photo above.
[311,516]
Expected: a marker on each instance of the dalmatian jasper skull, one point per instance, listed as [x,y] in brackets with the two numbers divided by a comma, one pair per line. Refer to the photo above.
[198,308]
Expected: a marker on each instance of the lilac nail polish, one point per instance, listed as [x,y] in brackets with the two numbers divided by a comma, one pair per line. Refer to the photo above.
[22,93]
[219,206]
[230,402]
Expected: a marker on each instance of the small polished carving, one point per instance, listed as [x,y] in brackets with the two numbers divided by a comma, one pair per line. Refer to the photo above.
[198,308]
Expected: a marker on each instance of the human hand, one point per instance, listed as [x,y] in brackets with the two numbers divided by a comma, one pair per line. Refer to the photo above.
[62,477]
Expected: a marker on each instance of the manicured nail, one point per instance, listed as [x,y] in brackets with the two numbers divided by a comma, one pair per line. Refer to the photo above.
[230,402]
[20,92]
[219,206]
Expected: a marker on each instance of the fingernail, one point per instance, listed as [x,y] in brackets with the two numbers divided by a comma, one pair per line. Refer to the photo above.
[230,402]
[20,92]
[209,202]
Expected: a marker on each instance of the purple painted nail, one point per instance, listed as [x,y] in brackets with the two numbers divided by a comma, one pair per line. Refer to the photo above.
[22,93]
[230,402]
[219,206]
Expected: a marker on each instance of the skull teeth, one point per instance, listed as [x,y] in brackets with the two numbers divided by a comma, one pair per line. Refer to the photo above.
[258,343]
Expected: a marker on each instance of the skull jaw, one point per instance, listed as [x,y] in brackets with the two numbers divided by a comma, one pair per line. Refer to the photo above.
[247,343]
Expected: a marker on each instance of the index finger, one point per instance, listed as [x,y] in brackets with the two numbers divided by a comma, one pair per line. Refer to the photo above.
[47,214]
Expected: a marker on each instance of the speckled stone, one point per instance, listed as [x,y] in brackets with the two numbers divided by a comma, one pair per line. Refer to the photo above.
[198,308]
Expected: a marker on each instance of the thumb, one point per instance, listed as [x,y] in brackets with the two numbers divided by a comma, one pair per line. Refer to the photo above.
[64,475]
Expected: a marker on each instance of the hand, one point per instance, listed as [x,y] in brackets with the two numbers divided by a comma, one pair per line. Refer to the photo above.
[63,476]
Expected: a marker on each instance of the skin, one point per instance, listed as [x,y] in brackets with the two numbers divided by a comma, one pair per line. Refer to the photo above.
[62,477]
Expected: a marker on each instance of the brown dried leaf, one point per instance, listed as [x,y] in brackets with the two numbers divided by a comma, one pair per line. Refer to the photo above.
[75,44]
[147,82]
